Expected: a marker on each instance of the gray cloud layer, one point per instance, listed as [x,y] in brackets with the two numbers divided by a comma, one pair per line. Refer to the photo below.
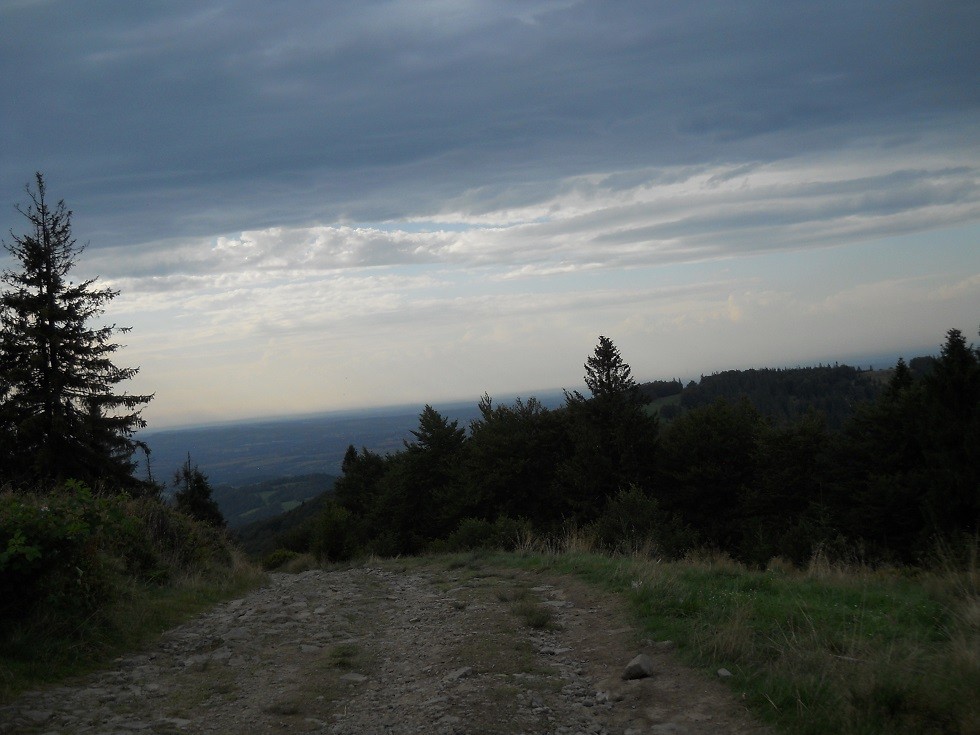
[193,119]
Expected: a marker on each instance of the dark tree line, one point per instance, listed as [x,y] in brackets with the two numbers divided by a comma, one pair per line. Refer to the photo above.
[787,395]
[899,475]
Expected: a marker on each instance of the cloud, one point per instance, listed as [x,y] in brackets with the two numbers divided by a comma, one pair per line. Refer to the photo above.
[191,119]
[330,194]
[588,223]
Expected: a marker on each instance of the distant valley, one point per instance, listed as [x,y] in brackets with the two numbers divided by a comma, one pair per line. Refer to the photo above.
[261,469]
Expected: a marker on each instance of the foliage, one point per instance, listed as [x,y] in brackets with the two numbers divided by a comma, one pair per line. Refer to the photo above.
[193,495]
[634,521]
[658,389]
[787,395]
[900,475]
[55,552]
[277,558]
[606,373]
[476,533]
[613,437]
[908,471]
[61,413]
[66,553]
[164,543]
[711,458]
[510,467]
[50,646]
[333,534]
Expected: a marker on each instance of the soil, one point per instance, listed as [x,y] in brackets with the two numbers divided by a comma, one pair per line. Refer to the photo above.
[388,648]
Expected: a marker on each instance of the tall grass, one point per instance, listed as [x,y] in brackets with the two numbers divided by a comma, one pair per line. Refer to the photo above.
[826,649]
[31,656]
[87,577]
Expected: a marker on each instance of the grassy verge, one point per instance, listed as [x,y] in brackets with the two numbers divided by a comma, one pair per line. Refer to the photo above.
[31,656]
[821,650]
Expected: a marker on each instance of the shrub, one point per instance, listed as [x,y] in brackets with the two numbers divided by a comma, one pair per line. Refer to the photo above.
[508,533]
[66,552]
[161,541]
[277,558]
[471,533]
[476,533]
[54,551]
[633,520]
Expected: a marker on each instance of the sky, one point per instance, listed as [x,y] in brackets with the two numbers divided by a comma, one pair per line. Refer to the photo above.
[314,206]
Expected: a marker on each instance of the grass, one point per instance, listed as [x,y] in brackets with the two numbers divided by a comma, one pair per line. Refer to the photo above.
[827,649]
[345,656]
[31,657]
[528,608]
[534,614]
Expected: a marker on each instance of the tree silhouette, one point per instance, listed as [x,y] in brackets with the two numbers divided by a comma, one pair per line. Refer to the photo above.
[193,496]
[606,373]
[613,437]
[61,415]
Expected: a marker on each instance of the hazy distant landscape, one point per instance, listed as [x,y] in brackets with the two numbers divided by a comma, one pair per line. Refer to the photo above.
[250,452]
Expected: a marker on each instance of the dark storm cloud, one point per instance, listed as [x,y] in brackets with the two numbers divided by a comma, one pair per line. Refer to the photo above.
[197,118]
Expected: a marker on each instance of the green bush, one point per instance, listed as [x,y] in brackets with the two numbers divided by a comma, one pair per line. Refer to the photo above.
[633,520]
[161,541]
[56,551]
[471,533]
[509,533]
[66,552]
[277,558]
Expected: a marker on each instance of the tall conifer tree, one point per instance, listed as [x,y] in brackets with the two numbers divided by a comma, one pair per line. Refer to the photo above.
[613,436]
[61,413]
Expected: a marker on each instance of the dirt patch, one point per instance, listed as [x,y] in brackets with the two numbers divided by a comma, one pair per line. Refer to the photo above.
[458,648]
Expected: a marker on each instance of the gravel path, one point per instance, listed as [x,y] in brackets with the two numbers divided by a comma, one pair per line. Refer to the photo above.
[389,650]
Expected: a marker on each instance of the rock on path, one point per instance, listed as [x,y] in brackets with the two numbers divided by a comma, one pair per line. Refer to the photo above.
[372,650]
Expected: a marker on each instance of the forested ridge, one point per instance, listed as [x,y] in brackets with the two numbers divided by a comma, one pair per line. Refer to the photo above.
[888,479]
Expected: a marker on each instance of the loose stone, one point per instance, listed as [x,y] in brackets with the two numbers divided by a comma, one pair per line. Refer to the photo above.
[639,668]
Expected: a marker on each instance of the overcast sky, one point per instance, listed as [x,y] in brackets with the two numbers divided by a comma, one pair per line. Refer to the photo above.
[319,205]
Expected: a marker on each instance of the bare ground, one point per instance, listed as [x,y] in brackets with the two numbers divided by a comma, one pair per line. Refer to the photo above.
[395,649]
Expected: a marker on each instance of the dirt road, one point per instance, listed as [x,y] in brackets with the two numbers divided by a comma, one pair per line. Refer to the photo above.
[384,649]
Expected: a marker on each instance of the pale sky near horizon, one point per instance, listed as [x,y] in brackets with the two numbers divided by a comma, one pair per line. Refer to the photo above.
[311,206]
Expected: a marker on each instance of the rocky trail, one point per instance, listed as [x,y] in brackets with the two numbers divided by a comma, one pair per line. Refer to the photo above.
[385,649]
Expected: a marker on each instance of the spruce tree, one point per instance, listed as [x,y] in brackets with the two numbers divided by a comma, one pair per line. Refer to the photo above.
[607,374]
[613,436]
[62,415]
[193,495]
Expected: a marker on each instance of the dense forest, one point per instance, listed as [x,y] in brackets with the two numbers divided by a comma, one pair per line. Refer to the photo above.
[783,396]
[891,472]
